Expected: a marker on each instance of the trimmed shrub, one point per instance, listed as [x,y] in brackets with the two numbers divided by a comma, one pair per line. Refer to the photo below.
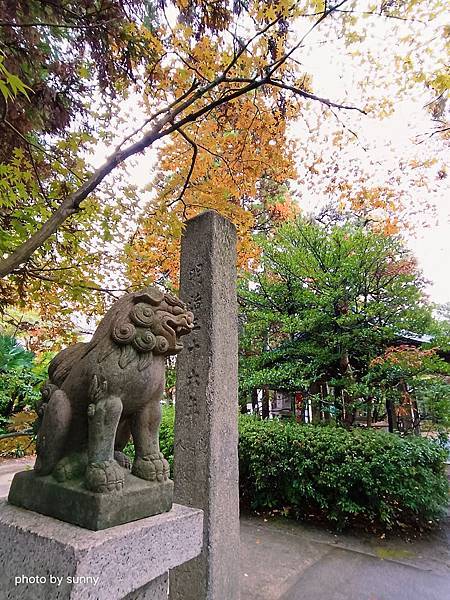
[362,476]
[344,477]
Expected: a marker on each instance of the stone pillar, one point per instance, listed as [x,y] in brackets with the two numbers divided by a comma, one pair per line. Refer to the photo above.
[42,558]
[206,410]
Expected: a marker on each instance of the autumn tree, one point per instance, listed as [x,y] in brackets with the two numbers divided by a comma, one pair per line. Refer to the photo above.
[62,52]
[325,303]
[211,86]
[413,383]
[54,57]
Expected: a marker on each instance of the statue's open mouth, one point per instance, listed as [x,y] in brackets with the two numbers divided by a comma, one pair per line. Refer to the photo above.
[185,327]
[178,325]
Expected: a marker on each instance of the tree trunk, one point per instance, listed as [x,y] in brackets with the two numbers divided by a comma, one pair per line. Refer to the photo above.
[338,406]
[255,406]
[349,414]
[375,413]
[348,411]
[314,390]
[416,417]
[392,420]
[265,405]
[369,412]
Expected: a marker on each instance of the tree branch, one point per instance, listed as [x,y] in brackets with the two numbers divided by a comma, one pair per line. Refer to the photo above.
[309,96]
[380,14]
[163,126]
[57,25]
[76,285]
[13,434]
[270,69]
[191,169]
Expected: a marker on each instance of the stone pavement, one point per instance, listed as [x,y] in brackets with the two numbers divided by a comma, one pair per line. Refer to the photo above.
[285,560]
[9,467]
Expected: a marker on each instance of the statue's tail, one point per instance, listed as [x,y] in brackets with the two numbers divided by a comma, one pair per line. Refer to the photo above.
[52,433]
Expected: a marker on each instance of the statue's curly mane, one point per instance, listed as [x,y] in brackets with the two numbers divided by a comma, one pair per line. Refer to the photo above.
[135,328]
[140,329]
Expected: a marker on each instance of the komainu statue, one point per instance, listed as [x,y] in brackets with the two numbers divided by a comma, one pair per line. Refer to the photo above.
[101,393]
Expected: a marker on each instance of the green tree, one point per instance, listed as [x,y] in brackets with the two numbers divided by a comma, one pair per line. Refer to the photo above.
[20,376]
[415,381]
[327,301]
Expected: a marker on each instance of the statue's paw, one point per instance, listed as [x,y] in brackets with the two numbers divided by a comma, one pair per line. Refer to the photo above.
[104,476]
[166,468]
[70,467]
[123,460]
[153,467]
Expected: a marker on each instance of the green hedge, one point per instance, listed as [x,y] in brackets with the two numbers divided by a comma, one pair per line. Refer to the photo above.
[344,477]
[166,434]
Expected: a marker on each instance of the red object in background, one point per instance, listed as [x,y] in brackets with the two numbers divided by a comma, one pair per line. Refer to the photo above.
[298,406]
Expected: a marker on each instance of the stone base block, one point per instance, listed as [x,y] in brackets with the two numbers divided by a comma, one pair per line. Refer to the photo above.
[71,502]
[43,558]
[155,590]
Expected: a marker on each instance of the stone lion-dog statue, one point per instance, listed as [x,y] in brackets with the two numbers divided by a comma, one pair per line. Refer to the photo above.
[102,392]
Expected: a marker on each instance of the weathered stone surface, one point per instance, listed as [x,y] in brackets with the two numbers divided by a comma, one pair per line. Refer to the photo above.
[97,395]
[123,558]
[206,436]
[155,590]
[70,501]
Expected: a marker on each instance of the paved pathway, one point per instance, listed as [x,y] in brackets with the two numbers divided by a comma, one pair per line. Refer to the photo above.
[9,467]
[285,560]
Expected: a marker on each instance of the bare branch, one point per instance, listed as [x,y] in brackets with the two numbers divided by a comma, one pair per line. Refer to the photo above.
[347,128]
[299,92]
[381,14]
[13,434]
[439,131]
[58,25]
[270,69]
[191,168]
[109,291]
[160,112]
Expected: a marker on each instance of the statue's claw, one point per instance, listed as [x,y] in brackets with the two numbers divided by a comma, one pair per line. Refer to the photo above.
[153,467]
[123,460]
[72,466]
[104,476]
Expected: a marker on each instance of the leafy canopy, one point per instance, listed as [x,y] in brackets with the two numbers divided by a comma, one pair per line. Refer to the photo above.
[325,302]
[211,85]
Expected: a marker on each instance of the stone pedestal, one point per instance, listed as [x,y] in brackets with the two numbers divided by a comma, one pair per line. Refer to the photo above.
[43,558]
[73,503]
[206,414]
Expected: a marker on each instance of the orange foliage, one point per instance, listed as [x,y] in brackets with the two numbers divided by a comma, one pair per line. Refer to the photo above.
[380,206]
[401,267]
[404,355]
[243,164]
